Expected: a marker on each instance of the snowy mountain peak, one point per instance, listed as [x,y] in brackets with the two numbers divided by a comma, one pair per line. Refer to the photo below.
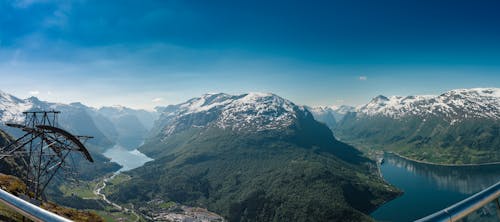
[453,105]
[114,109]
[118,107]
[261,100]
[260,111]
[319,110]
[380,99]
[205,102]
[343,109]
[330,115]
[211,101]
[11,108]
[7,98]
[493,93]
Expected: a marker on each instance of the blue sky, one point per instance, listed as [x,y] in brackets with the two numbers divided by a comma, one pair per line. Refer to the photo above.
[148,53]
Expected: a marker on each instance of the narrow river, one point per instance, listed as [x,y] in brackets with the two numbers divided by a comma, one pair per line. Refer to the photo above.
[128,159]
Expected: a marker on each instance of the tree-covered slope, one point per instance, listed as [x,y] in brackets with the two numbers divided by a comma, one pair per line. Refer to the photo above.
[9,165]
[295,171]
[457,127]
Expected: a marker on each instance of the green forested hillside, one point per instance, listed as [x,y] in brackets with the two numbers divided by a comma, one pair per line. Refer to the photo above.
[296,174]
[9,165]
[427,138]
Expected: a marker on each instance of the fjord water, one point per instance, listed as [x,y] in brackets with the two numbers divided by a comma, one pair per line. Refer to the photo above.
[430,188]
[128,159]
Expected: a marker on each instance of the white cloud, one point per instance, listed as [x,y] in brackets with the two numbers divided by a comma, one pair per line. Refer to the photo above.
[157,100]
[34,92]
[363,78]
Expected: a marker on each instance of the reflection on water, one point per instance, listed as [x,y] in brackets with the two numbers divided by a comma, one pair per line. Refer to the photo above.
[463,179]
[128,159]
[429,188]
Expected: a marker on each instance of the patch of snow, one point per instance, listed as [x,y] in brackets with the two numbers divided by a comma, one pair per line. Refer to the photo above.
[258,111]
[12,108]
[454,105]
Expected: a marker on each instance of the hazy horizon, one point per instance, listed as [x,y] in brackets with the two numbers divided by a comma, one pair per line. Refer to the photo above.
[161,104]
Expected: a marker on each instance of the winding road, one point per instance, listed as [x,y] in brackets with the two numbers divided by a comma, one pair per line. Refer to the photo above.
[97,192]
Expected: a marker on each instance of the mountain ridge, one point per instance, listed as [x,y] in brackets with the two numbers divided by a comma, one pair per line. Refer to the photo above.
[456,127]
[476,102]
[105,123]
[237,111]
[330,115]
[218,152]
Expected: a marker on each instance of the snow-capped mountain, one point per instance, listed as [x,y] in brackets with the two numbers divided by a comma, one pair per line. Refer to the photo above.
[340,111]
[105,124]
[319,110]
[129,126]
[454,105]
[117,112]
[74,117]
[330,115]
[11,108]
[257,111]
[324,114]
[251,137]
[458,126]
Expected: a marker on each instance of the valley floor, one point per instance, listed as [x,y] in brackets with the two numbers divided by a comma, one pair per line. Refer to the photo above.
[154,210]
[98,192]
[92,190]
[157,209]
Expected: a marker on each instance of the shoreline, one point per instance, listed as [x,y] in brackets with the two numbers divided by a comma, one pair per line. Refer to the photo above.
[369,213]
[442,164]
[378,163]
[424,164]
[364,148]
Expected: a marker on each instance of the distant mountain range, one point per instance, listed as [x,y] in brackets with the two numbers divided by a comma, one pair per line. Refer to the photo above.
[254,157]
[454,106]
[330,115]
[260,157]
[456,127]
[109,125]
[130,126]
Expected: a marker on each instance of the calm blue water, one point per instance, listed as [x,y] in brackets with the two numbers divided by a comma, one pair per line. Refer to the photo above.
[429,188]
[128,159]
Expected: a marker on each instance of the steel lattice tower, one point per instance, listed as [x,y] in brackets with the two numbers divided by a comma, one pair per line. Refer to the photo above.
[44,150]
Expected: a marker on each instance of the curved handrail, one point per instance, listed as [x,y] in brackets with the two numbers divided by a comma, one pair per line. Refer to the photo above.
[29,210]
[465,207]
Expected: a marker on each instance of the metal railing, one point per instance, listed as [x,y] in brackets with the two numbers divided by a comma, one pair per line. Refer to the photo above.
[29,210]
[449,214]
[465,207]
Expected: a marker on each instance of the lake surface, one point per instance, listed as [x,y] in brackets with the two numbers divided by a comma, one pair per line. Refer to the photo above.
[430,188]
[128,159]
